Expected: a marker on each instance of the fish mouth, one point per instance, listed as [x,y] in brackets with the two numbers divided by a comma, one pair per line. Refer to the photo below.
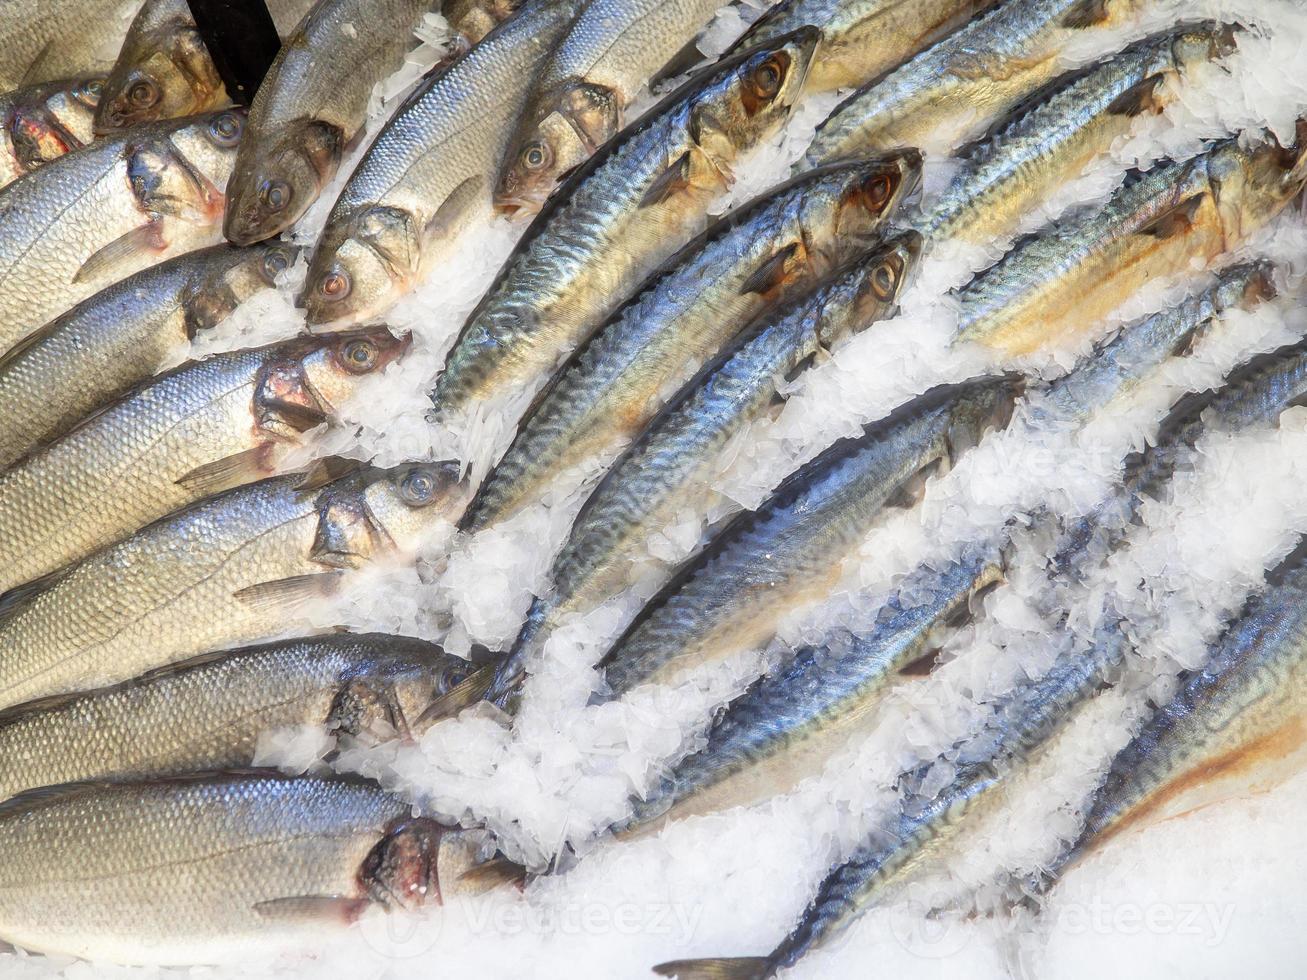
[514,206]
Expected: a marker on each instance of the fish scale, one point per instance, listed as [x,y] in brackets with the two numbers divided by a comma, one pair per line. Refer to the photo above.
[120,337]
[38,45]
[211,712]
[688,310]
[595,242]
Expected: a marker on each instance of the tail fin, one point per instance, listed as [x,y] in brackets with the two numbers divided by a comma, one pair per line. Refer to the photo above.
[730,968]
[465,693]
[488,875]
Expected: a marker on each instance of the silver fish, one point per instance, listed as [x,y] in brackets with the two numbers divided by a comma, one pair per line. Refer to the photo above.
[198,430]
[43,122]
[311,107]
[231,570]
[428,171]
[1053,136]
[862,39]
[629,208]
[791,550]
[1161,222]
[780,243]
[165,71]
[211,867]
[121,336]
[965,80]
[46,40]
[103,212]
[668,471]
[208,713]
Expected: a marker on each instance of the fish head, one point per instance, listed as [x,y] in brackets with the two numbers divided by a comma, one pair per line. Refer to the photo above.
[203,152]
[388,696]
[980,406]
[567,124]
[41,130]
[276,179]
[1254,181]
[164,71]
[751,95]
[843,207]
[402,869]
[219,287]
[415,503]
[1245,286]
[331,367]
[1208,40]
[362,266]
[878,283]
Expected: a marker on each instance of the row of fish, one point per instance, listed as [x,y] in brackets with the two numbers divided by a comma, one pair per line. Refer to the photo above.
[157,525]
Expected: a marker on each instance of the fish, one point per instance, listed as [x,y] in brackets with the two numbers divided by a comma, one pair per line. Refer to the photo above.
[49,40]
[862,39]
[209,712]
[789,552]
[1019,727]
[1254,395]
[231,570]
[211,867]
[311,109]
[960,84]
[1236,725]
[789,724]
[43,122]
[428,172]
[583,92]
[781,243]
[1160,223]
[624,212]
[1050,138]
[165,71]
[668,471]
[202,428]
[101,213]
[121,336]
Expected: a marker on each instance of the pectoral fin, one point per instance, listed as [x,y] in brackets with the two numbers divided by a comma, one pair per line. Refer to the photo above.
[1085,13]
[467,692]
[124,255]
[1139,98]
[772,274]
[309,909]
[910,493]
[671,181]
[453,211]
[287,595]
[249,466]
[1178,221]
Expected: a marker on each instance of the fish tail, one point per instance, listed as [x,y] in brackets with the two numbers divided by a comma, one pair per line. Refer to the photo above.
[726,968]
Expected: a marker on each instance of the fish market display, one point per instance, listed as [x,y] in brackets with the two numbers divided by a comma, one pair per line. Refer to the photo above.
[164,70]
[966,79]
[44,122]
[622,214]
[582,94]
[615,488]
[861,39]
[227,571]
[669,469]
[113,208]
[311,107]
[1052,139]
[121,336]
[790,551]
[1160,223]
[764,252]
[208,713]
[200,868]
[196,431]
[46,40]
[429,170]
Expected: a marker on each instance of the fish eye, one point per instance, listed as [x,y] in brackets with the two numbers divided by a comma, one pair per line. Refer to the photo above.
[334,285]
[90,92]
[275,262]
[418,487]
[767,77]
[275,194]
[535,156]
[226,129]
[142,94]
[360,356]
[877,191]
[884,279]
